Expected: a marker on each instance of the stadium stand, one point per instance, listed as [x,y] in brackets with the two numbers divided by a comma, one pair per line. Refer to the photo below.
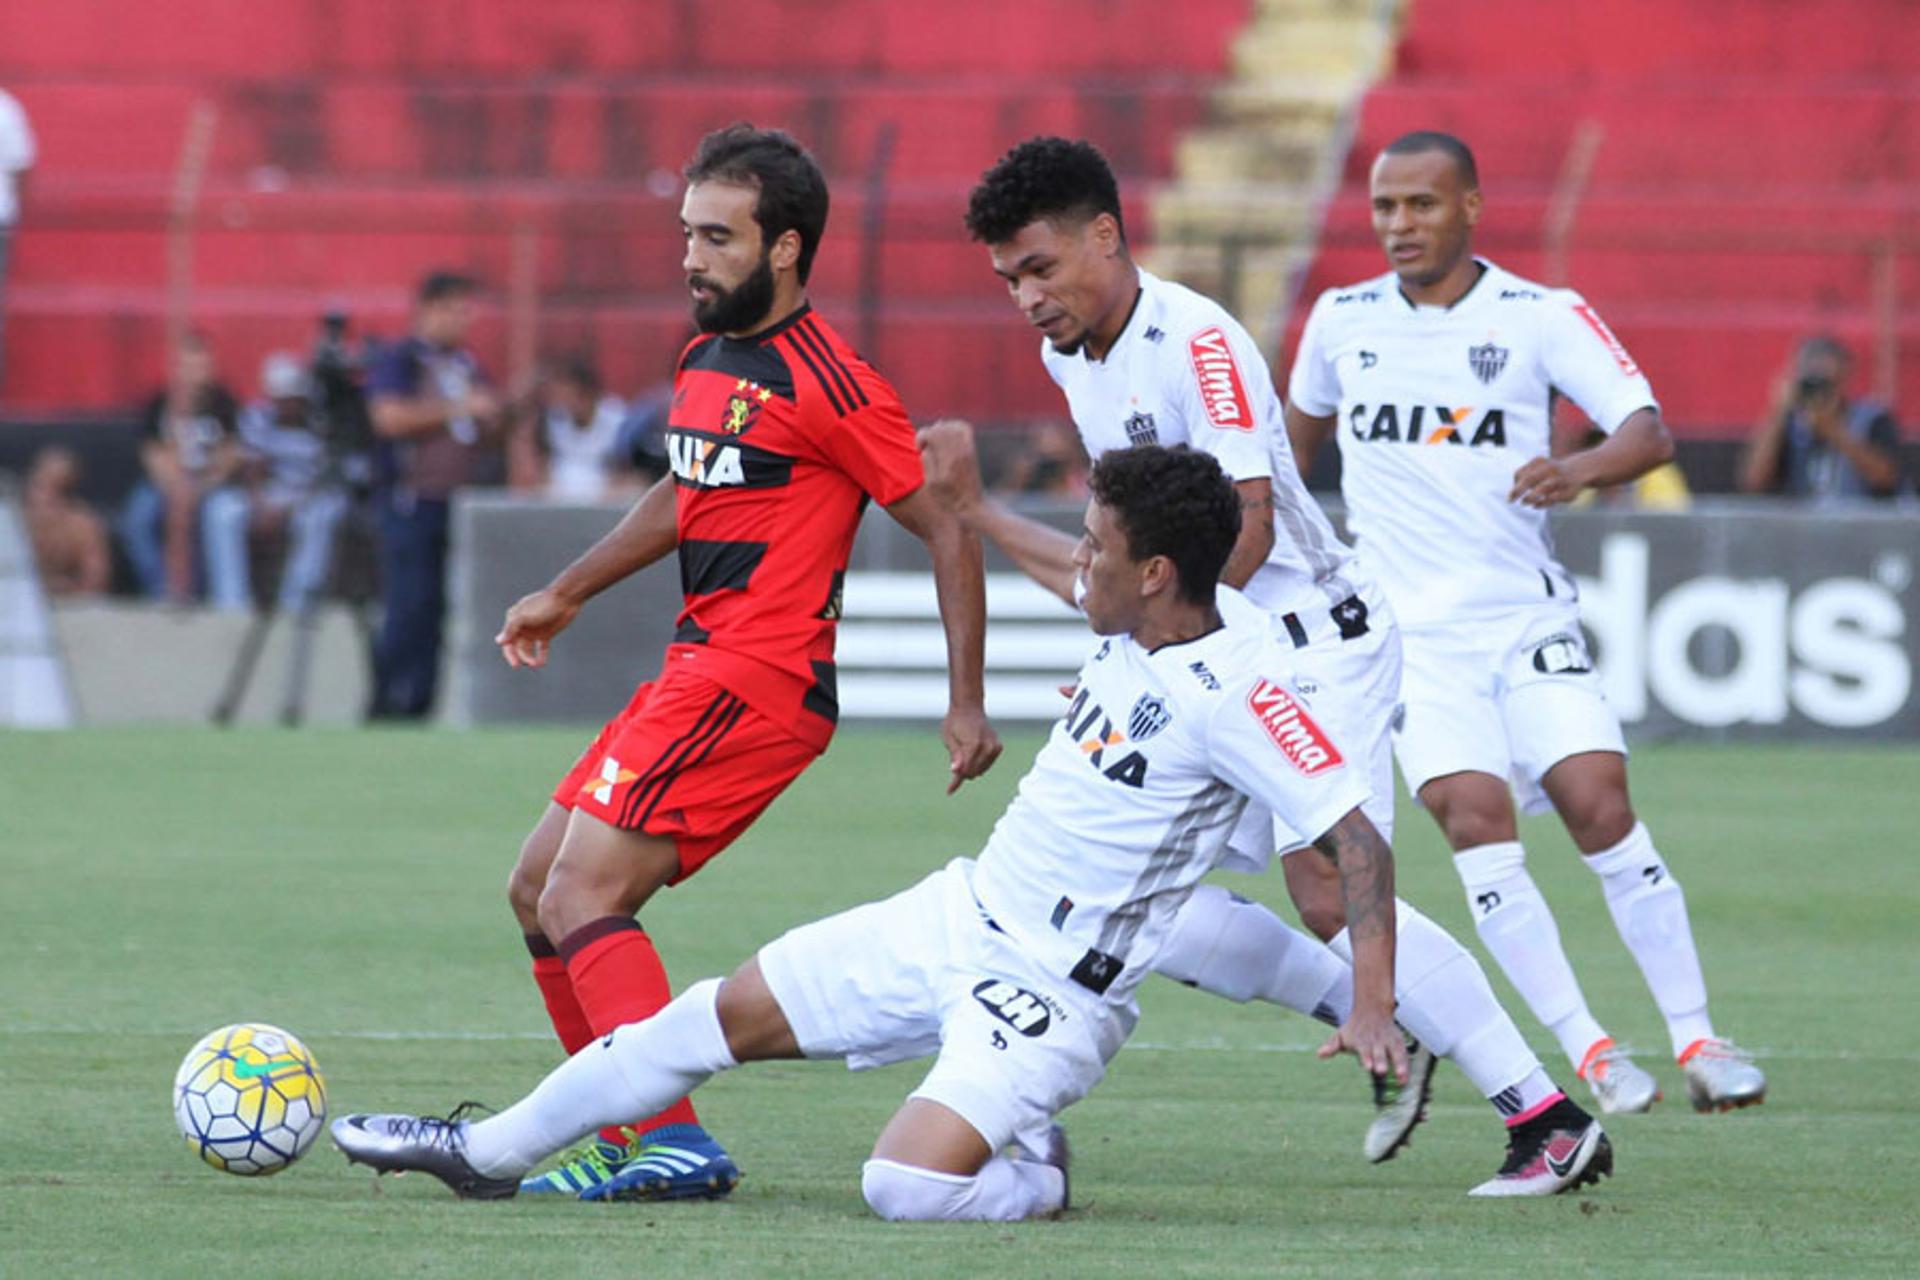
[359,142]
[1757,177]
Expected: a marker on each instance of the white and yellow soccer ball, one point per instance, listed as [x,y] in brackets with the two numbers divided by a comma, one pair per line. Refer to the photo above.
[249,1099]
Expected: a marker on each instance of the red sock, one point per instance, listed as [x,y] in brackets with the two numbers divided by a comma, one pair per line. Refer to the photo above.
[569,1020]
[617,978]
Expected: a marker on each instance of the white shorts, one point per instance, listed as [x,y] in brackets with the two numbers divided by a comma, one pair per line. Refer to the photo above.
[1353,688]
[924,972]
[1511,695]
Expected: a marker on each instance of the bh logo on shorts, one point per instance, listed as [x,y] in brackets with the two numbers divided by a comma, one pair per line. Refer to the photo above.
[611,776]
[1020,1009]
[1305,745]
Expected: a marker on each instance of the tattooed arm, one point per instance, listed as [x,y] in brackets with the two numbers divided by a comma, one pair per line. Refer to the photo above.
[1250,549]
[1366,889]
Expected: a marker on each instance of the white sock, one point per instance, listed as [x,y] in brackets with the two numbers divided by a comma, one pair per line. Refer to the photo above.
[1528,1097]
[636,1071]
[1446,1001]
[1650,912]
[1005,1190]
[1516,926]
[1225,944]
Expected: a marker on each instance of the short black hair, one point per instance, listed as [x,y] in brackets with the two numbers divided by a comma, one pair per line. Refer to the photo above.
[1176,503]
[792,190]
[1420,140]
[577,370]
[436,286]
[1823,344]
[1050,178]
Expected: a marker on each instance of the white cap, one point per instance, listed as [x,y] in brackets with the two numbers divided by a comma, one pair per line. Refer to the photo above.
[283,377]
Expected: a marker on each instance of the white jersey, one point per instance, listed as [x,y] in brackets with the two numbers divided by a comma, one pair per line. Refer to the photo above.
[1141,783]
[580,458]
[1183,371]
[17,154]
[1437,407]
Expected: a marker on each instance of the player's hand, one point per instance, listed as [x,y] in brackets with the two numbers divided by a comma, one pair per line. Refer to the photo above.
[1373,1038]
[972,745]
[952,464]
[527,635]
[1544,482]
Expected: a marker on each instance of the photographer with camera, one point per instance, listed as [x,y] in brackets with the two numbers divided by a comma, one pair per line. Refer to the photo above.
[431,411]
[1817,442]
[289,490]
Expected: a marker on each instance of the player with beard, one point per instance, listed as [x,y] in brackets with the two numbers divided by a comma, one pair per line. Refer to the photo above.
[778,436]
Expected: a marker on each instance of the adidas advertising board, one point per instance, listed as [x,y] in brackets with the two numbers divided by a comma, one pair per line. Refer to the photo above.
[1734,620]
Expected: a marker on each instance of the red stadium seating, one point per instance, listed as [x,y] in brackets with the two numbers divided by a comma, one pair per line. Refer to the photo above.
[1757,162]
[359,142]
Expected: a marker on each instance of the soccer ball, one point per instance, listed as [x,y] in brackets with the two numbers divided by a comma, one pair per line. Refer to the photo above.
[249,1099]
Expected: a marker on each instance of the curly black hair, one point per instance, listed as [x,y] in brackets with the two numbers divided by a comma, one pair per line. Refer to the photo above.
[1176,503]
[1048,178]
[793,191]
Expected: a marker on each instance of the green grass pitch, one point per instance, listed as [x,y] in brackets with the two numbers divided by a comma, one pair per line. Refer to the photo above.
[350,886]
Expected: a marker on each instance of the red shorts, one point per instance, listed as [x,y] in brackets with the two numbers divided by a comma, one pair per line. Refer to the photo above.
[686,760]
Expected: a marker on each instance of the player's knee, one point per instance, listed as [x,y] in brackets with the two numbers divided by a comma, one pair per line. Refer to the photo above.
[523,895]
[1468,825]
[562,907]
[903,1193]
[1322,919]
[528,878]
[1600,821]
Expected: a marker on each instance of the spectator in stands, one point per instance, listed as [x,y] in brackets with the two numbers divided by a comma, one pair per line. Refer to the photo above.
[289,494]
[1051,463]
[643,433]
[70,545]
[431,410]
[189,451]
[572,440]
[1816,441]
[16,159]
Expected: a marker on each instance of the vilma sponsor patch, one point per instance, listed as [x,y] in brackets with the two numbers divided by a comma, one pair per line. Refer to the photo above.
[1302,741]
[1612,344]
[1222,392]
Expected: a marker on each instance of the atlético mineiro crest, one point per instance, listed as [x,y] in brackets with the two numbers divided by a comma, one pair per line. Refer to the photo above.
[1141,431]
[1148,717]
[743,407]
[1487,360]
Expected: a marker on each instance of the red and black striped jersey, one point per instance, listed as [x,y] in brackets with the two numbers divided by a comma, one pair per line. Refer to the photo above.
[776,443]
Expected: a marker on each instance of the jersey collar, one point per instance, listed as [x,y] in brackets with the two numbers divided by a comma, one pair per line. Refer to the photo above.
[764,336]
[1144,298]
[1458,304]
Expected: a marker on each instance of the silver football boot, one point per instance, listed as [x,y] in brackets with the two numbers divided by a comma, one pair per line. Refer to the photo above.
[1619,1084]
[1399,1108]
[1721,1076]
[431,1144]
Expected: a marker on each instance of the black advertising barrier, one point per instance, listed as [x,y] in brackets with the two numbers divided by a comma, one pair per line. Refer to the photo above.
[1736,620]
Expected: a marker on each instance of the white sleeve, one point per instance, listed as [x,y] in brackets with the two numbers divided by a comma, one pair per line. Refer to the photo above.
[1225,397]
[1314,387]
[16,136]
[1265,744]
[1584,360]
